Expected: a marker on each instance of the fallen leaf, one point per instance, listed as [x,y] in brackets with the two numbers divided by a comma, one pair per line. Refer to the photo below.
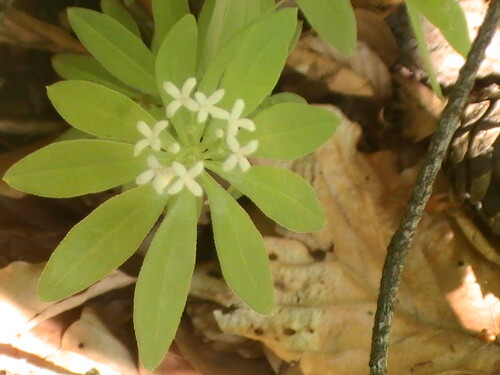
[89,344]
[20,309]
[326,283]
[363,74]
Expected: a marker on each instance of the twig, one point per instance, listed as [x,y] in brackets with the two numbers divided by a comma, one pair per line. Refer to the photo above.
[400,242]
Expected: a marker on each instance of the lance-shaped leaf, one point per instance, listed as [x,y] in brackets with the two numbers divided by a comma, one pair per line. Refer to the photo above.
[166,14]
[176,62]
[414,16]
[281,195]
[118,49]
[449,18]
[290,130]
[100,243]
[72,168]
[254,72]
[240,249]
[116,10]
[163,283]
[87,68]
[334,21]
[98,110]
[219,21]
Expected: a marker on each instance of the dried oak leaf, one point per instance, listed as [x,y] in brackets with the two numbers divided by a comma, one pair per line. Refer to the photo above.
[364,74]
[326,283]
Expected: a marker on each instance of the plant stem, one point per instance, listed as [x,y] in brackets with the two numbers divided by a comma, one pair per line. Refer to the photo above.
[401,241]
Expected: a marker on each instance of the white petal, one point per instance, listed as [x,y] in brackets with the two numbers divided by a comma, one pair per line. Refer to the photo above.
[191,104]
[196,169]
[244,163]
[202,115]
[230,163]
[156,144]
[250,147]
[179,169]
[144,129]
[176,187]
[174,148]
[217,112]
[139,146]
[233,143]
[216,96]
[200,97]
[194,187]
[173,107]
[232,130]
[246,124]
[188,86]
[171,89]
[161,181]
[159,127]
[153,163]
[238,107]
[145,177]
[219,133]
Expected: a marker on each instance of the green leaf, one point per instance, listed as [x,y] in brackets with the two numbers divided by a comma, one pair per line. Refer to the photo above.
[87,68]
[281,195]
[414,16]
[116,10]
[121,52]
[176,62]
[164,280]
[97,110]
[281,97]
[72,168]
[290,130]
[240,249]
[334,21]
[166,13]
[254,72]
[449,18]
[100,243]
[220,20]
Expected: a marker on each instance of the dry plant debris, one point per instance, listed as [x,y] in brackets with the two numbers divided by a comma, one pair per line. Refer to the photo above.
[326,283]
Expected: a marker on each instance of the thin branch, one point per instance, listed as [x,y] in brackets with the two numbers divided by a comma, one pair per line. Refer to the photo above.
[401,241]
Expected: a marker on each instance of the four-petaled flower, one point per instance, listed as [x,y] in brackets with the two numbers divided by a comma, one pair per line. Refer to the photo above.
[151,136]
[239,154]
[234,122]
[181,97]
[207,105]
[186,178]
[160,175]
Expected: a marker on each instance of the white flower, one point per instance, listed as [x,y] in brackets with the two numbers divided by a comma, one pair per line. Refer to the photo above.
[186,178]
[151,136]
[174,148]
[239,155]
[207,105]
[181,97]
[160,175]
[234,122]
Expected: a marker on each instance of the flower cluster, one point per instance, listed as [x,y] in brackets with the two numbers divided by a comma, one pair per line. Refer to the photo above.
[175,176]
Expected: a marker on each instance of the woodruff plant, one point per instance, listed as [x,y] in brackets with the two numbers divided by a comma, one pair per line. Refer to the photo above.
[163,123]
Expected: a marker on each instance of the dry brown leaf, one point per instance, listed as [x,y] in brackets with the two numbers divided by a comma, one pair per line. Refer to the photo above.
[377,35]
[21,29]
[88,344]
[448,313]
[20,309]
[419,106]
[363,74]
